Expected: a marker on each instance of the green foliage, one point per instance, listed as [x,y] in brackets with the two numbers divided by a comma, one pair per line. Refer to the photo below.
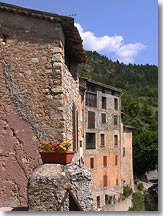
[140,186]
[127,191]
[139,84]
[138,202]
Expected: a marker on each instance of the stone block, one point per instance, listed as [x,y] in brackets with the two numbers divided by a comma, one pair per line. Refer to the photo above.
[48,184]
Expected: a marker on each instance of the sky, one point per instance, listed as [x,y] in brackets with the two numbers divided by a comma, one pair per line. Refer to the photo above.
[121,30]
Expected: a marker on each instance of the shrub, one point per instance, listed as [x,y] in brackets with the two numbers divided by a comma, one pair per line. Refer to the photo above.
[138,201]
[127,191]
[140,186]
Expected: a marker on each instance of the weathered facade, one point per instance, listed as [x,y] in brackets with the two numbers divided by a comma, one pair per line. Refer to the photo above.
[39,91]
[104,142]
[41,99]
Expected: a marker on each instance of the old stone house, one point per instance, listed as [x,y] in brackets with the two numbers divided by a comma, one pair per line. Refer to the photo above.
[39,91]
[108,142]
[41,99]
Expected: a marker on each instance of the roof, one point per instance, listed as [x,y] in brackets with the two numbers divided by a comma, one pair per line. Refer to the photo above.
[129,127]
[101,84]
[73,39]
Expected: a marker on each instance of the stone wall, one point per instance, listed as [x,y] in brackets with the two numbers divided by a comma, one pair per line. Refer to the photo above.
[34,83]
[110,150]
[127,157]
[48,183]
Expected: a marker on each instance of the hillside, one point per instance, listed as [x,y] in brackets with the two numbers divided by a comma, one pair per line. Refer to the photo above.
[139,84]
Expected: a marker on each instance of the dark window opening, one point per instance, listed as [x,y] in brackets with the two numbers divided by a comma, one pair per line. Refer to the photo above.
[115,120]
[91,119]
[116,140]
[91,99]
[115,103]
[116,181]
[106,199]
[102,140]
[103,102]
[105,180]
[103,117]
[91,87]
[91,163]
[116,159]
[104,161]
[98,201]
[103,89]
[90,141]
[124,151]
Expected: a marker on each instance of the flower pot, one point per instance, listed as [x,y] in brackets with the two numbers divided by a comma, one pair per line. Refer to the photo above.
[57,157]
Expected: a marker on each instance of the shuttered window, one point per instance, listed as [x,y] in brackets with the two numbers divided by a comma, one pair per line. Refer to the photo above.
[91,163]
[103,118]
[105,180]
[104,161]
[91,119]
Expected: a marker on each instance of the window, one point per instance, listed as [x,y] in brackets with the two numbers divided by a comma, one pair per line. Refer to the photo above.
[91,87]
[102,140]
[103,102]
[91,163]
[116,159]
[104,161]
[116,181]
[115,120]
[124,151]
[106,199]
[91,119]
[90,141]
[103,89]
[103,118]
[105,180]
[115,103]
[91,99]
[115,140]
[98,201]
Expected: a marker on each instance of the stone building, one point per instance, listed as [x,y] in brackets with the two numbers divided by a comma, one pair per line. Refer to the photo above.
[41,99]
[107,142]
[39,91]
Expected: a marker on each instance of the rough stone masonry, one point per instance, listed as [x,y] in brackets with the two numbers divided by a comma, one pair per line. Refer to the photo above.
[46,188]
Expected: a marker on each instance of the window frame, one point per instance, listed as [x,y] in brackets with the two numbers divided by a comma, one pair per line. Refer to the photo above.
[104,103]
[94,144]
[102,140]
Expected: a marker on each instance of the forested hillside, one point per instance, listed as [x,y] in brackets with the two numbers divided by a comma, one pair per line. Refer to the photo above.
[139,84]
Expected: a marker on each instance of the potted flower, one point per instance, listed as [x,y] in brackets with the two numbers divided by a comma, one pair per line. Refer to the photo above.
[56,152]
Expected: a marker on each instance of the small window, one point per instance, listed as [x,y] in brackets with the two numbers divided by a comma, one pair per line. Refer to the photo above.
[106,199]
[104,161]
[91,87]
[102,140]
[105,180]
[103,102]
[90,141]
[115,103]
[103,118]
[103,89]
[116,159]
[115,120]
[91,119]
[115,140]
[124,151]
[91,99]
[116,181]
[91,163]
[98,201]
